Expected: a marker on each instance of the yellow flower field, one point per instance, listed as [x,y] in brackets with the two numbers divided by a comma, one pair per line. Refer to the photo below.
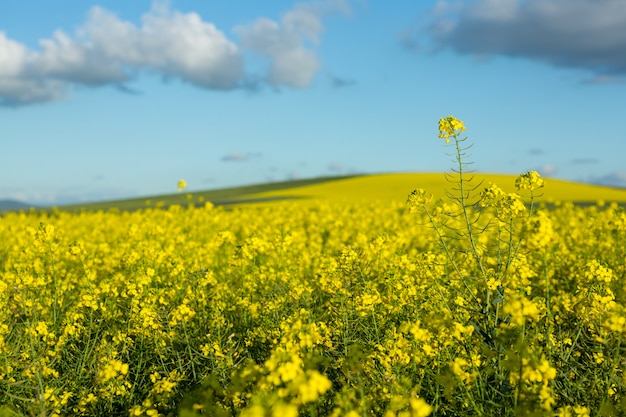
[476,304]
[393,187]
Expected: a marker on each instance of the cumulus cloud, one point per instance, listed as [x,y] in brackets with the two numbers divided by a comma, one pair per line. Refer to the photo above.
[586,34]
[16,84]
[285,43]
[107,50]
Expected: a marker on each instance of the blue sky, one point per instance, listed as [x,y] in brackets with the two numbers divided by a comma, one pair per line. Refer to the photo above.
[115,99]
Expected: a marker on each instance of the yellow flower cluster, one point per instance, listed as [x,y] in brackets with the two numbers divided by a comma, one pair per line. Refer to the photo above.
[113,369]
[507,206]
[417,198]
[529,181]
[413,406]
[520,310]
[534,382]
[450,126]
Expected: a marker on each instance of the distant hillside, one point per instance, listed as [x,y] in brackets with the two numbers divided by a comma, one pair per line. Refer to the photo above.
[355,188]
[397,186]
[224,196]
[6,205]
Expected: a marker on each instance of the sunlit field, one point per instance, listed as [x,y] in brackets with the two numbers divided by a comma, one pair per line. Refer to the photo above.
[482,301]
[392,187]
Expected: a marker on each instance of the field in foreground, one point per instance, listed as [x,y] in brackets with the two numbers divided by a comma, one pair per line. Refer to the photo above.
[323,308]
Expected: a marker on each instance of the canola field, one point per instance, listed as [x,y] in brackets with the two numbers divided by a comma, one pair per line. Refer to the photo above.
[385,188]
[316,309]
[484,302]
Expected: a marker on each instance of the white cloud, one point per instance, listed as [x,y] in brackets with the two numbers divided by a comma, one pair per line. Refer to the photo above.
[12,55]
[548,170]
[169,43]
[85,63]
[587,34]
[292,63]
[17,91]
[175,44]
[15,87]
[106,50]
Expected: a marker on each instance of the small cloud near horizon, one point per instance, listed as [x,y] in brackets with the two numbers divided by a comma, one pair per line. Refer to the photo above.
[547,170]
[240,156]
[335,167]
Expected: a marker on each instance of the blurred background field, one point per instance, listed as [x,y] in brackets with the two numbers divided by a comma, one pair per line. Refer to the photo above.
[379,187]
[396,187]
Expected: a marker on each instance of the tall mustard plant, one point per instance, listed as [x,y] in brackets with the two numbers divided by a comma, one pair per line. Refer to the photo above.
[482,234]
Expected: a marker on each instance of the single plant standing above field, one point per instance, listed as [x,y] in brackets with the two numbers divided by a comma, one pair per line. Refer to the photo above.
[481,235]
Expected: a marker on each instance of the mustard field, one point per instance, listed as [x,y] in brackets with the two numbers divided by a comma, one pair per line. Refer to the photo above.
[393,187]
[316,309]
[473,300]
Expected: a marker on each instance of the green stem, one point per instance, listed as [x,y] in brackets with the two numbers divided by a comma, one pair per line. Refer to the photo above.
[55,306]
[451,259]
[191,357]
[548,307]
[463,200]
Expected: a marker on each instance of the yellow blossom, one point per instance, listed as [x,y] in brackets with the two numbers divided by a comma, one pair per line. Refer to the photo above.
[113,369]
[529,180]
[284,410]
[450,126]
[419,407]
[315,385]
